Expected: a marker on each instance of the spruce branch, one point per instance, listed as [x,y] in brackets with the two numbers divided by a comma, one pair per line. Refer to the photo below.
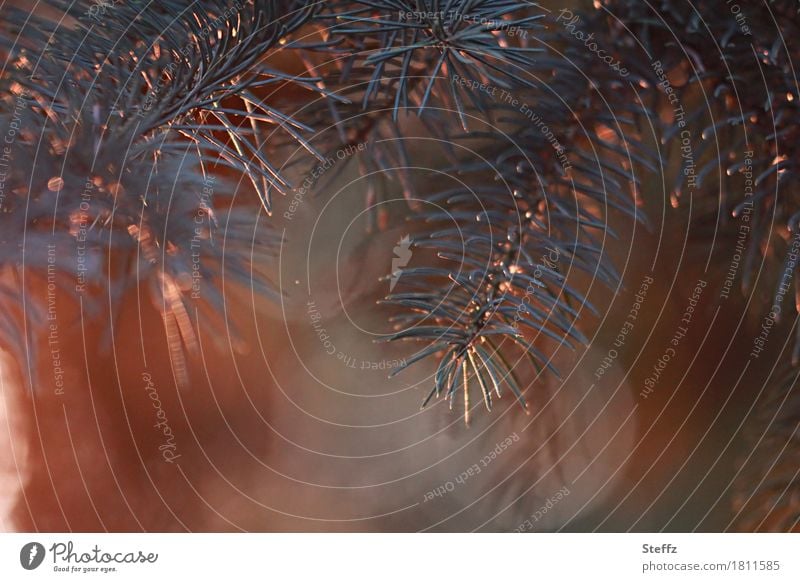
[740,96]
[125,118]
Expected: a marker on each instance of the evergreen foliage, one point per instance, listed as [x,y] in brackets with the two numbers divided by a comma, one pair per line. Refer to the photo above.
[129,118]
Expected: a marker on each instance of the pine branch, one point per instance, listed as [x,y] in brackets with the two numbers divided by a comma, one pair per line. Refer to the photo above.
[126,118]
[740,99]
[529,196]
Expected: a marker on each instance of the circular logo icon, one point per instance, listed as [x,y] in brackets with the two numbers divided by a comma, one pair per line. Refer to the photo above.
[31,555]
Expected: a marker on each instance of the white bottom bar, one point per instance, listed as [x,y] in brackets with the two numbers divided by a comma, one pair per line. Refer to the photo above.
[377,557]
